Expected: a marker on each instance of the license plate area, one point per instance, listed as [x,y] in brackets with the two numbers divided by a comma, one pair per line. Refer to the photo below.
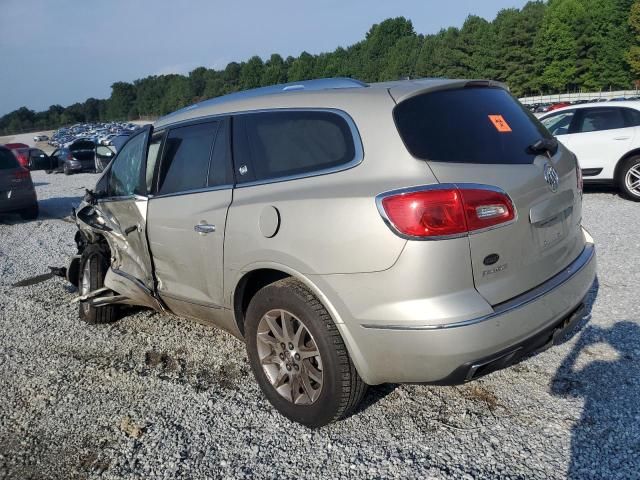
[552,231]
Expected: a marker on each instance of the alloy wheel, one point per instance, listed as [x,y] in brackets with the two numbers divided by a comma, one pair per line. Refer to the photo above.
[632,179]
[290,357]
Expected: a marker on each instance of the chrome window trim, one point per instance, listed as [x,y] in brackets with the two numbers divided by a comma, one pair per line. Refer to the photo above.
[194,191]
[441,186]
[355,135]
[510,305]
[358,156]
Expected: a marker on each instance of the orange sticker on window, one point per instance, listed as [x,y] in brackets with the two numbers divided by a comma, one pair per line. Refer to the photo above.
[500,123]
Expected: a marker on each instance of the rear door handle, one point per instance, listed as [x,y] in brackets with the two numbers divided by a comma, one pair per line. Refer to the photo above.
[204,228]
[622,138]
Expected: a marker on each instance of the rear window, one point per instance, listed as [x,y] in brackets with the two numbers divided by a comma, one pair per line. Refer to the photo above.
[271,145]
[7,159]
[470,125]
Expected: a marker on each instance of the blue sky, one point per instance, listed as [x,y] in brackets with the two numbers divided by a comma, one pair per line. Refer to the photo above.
[65,51]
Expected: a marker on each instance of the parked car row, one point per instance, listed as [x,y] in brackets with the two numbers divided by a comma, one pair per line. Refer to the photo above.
[81,155]
[99,133]
[549,107]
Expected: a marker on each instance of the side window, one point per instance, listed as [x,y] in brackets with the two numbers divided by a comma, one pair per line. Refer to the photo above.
[272,145]
[559,123]
[152,159]
[597,119]
[185,163]
[125,172]
[220,172]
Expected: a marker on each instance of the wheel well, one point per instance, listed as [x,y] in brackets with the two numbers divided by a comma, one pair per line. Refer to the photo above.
[248,286]
[632,153]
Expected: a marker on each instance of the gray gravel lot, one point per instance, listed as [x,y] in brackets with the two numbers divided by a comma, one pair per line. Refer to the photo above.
[154,396]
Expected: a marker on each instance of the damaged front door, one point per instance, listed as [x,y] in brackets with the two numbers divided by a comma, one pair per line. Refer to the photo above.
[121,210]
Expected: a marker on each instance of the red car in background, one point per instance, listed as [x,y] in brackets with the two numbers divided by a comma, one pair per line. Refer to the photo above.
[556,106]
[21,151]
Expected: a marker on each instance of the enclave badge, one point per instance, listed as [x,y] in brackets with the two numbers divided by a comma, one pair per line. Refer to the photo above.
[551,177]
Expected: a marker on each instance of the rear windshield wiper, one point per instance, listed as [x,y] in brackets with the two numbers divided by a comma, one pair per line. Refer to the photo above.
[544,145]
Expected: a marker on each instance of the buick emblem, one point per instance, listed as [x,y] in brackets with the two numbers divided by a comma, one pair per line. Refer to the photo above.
[551,177]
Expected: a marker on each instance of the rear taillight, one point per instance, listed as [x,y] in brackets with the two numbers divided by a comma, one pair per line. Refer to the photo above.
[22,159]
[447,210]
[579,176]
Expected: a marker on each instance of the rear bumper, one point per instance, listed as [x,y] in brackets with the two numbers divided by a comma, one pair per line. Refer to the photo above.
[20,199]
[463,350]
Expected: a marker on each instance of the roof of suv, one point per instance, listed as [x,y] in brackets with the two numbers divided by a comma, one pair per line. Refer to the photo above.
[250,99]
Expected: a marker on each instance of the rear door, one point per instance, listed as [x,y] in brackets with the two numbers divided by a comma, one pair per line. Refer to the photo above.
[187,215]
[482,136]
[38,160]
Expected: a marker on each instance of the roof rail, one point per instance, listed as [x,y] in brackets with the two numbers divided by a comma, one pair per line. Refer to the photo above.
[306,85]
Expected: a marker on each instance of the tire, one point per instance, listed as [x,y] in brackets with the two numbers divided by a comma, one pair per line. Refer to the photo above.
[628,178]
[48,172]
[340,388]
[93,268]
[30,213]
[66,170]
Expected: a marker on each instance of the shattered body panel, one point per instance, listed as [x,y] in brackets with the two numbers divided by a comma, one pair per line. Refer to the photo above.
[121,224]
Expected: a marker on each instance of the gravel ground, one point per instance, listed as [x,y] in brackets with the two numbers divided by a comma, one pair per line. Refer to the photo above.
[153,396]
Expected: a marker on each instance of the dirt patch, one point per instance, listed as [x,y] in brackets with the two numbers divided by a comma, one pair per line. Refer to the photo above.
[478,393]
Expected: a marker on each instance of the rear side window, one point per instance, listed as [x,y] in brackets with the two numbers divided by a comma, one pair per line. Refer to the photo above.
[187,151]
[632,117]
[271,145]
[597,119]
[7,160]
[470,125]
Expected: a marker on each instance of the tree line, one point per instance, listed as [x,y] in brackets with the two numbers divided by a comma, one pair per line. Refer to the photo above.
[544,47]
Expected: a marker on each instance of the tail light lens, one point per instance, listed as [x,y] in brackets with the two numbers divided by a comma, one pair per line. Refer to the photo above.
[579,175]
[22,159]
[447,211]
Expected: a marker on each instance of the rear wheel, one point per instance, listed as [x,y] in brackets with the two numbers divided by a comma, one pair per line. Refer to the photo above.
[30,213]
[298,356]
[66,169]
[629,178]
[93,268]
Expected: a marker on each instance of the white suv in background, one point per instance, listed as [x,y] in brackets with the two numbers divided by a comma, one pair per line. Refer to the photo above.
[606,140]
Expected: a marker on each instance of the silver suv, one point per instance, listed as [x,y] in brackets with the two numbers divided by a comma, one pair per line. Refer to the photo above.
[417,231]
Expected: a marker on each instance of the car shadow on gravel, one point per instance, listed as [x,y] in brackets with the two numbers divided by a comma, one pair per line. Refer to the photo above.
[50,209]
[57,208]
[601,188]
[602,370]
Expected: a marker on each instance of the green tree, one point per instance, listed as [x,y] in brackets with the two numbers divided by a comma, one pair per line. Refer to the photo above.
[251,73]
[556,46]
[123,97]
[633,54]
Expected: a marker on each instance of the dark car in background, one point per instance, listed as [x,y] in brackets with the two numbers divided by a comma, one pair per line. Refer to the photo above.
[26,155]
[17,193]
[80,156]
